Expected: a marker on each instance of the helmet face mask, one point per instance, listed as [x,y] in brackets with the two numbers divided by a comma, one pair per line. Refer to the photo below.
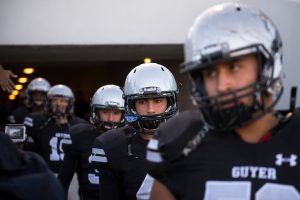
[55,100]
[226,38]
[38,98]
[37,92]
[102,124]
[59,105]
[149,81]
[108,125]
[108,97]
[151,122]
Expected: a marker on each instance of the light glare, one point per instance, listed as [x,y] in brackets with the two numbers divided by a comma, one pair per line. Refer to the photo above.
[15,92]
[19,87]
[11,97]
[147,60]
[28,70]
[22,80]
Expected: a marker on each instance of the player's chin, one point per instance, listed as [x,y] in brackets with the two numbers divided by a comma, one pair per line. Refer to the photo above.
[226,103]
[228,106]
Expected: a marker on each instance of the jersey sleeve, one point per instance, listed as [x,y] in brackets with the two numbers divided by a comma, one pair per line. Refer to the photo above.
[106,155]
[145,189]
[18,115]
[107,148]
[28,122]
[99,157]
[32,124]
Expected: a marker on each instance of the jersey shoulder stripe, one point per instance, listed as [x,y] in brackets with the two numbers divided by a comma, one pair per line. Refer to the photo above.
[98,155]
[174,135]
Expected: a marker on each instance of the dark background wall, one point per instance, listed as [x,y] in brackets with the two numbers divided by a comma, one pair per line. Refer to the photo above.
[85,75]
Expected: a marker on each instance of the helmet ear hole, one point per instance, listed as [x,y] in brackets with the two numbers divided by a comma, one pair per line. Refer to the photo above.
[131,105]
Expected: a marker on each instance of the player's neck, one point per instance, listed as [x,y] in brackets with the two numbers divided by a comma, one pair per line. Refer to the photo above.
[253,132]
[61,120]
[147,135]
[38,109]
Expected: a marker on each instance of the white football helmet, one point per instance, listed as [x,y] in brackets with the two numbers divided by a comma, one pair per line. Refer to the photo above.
[37,85]
[149,80]
[61,91]
[228,31]
[107,97]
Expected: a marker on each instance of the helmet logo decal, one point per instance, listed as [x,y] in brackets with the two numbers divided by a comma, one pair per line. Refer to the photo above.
[112,103]
[131,118]
[150,90]
[215,49]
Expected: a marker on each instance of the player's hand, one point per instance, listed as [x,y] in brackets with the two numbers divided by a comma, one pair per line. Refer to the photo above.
[5,80]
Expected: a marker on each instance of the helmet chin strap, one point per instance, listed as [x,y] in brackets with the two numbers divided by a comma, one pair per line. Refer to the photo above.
[58,114]
[100,127]
[107,125]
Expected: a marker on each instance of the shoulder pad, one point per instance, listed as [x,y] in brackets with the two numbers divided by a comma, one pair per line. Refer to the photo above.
[77,120]
[18,115]
[176,137]
[21,111]
[35,119]
[290,127]
[113,138]
[80,127]
[109,147]
[83,135]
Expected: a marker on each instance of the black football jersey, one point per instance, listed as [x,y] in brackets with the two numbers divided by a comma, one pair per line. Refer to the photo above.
[24,175]
[18,115]
[225,167]
[119,155]
[78,159]
[49,137]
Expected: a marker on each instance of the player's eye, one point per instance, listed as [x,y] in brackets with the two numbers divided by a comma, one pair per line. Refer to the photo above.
[209,73]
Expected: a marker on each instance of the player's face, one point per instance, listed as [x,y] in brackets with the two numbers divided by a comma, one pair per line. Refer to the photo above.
[110,115]
[151,106]
[38,96]
[227,77]
[59,104]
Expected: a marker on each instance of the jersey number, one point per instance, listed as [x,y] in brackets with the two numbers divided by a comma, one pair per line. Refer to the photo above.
[241,190]
[56,143]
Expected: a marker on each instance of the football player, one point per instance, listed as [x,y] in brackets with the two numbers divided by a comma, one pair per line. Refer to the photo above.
[107,112]
[36,97]
[238,146]
[50,131]
[150,94]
